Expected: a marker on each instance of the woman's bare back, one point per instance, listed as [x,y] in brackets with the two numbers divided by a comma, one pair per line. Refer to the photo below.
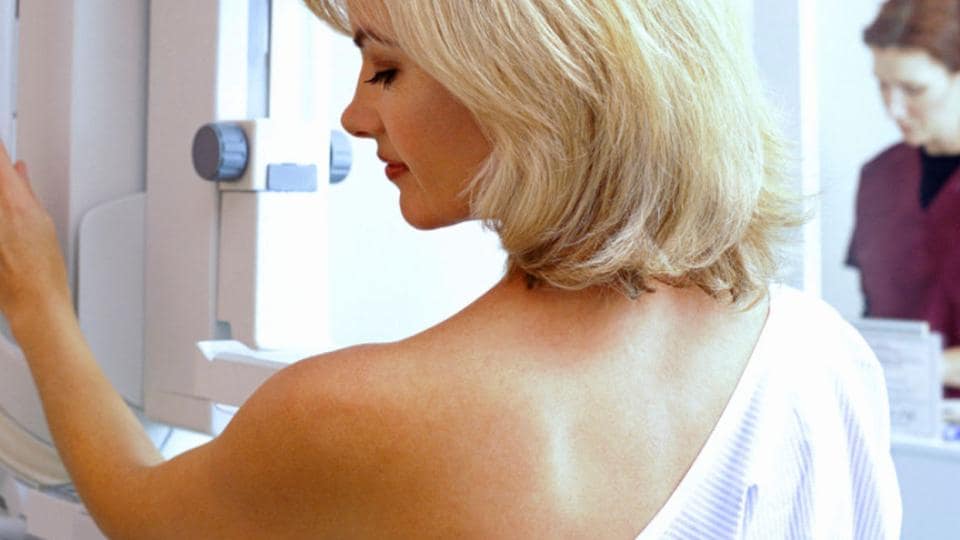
[538,413]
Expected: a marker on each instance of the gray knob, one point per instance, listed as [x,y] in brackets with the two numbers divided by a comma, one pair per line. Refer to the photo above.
[341,156]
[220,151]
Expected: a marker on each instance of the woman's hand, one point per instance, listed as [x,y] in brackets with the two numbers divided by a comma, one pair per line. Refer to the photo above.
[951,367]
[32,274]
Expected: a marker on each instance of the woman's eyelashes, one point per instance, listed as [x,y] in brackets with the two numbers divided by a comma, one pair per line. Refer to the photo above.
[383,77]
[914,91]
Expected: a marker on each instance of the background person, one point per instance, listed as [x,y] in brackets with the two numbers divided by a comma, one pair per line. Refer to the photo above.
[633,371]
[906,241]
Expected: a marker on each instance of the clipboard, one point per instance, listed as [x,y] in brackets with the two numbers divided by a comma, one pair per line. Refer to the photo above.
[912,357]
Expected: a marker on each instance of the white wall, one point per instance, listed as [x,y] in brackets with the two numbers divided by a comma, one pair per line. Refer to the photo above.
[819,75]
[853,128]
[8,66]
[784,41]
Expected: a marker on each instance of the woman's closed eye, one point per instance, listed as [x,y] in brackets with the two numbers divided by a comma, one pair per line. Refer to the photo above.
[383,77]
[914,91]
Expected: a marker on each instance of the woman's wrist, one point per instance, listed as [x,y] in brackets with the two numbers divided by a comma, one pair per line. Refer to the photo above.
[39,319]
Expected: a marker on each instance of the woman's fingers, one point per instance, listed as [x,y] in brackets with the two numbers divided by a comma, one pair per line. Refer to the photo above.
[32,272]
[4,156]
[21,167]
[6,167]
[13,172]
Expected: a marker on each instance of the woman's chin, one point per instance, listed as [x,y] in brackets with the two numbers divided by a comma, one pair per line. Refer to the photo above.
[418,219]
[912,138]
[429,223]
[426,219]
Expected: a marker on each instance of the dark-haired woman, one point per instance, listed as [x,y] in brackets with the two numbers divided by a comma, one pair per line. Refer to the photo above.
[906,242]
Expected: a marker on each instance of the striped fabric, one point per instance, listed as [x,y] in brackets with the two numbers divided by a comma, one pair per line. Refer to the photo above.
[802,449]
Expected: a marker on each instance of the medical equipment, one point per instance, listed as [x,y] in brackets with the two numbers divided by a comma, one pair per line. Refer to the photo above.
[103,225]
[185,287]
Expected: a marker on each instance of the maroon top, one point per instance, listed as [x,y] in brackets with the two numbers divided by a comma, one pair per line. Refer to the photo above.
[908,257]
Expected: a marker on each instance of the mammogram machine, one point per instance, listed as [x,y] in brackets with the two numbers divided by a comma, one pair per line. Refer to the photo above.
[193,290]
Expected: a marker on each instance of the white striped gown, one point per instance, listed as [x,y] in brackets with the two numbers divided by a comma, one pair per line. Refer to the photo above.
[802,450]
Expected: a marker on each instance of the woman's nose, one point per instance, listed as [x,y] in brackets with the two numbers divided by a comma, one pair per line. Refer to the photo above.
[360,119]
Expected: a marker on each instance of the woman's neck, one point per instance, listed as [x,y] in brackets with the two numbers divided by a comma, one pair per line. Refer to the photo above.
[940,148]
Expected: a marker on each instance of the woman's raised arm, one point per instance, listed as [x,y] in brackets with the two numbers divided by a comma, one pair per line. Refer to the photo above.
[233,487]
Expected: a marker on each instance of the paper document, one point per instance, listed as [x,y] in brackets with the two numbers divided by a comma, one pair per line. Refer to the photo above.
[911,356]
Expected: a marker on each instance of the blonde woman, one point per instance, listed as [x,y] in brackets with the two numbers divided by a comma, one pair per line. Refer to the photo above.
[633,372]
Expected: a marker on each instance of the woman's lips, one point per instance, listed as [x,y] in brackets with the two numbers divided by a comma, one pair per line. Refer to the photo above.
[394,170]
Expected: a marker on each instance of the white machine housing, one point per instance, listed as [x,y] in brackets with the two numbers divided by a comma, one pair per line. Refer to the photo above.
[212,272]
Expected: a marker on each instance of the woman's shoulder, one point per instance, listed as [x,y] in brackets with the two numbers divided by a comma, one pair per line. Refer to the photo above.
[356,421]
[385,381]
[809,351]
[416,389]
[821,365]
[807,329]
[413,431]
[358,391]
[896,156]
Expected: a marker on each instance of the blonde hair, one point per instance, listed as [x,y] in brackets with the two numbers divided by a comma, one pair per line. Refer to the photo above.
[631,139]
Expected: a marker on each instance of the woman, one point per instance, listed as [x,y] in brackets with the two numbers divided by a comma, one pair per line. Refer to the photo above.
[631,372]
[906,242]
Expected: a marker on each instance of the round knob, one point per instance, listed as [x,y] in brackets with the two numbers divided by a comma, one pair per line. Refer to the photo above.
[341,156]
[220,151]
